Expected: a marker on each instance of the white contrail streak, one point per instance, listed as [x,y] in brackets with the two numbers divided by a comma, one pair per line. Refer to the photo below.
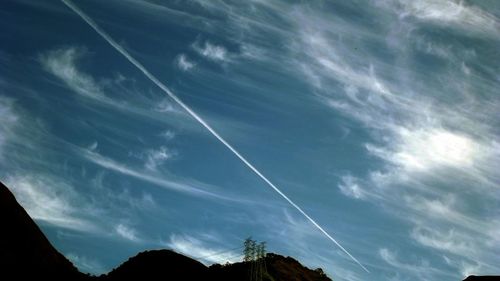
[162,86]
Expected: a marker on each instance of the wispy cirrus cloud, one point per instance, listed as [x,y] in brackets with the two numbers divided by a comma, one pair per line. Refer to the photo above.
[184,63]
[127,232]
[156,157]
[65,64]
[433,132]
[349,187]
[201,250]
[52,201]
[62,63]
[186,186]
[421,270]
[449,241]
[451,13]
[168,135]
[211,51]
[420,143]
[64,196]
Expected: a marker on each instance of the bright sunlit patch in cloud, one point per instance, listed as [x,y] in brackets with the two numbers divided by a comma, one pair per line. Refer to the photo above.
[425,149]
[450,148]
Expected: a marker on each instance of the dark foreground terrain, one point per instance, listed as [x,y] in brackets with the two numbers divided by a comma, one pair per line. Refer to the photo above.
[482,278]
[26,254]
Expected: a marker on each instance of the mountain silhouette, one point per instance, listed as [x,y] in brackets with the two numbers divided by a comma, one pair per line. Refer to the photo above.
[26,254]
[158,265]
[24,249]
[277,267]
[482,278]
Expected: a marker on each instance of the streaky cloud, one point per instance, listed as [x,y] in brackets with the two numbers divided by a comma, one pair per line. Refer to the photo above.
[200,249]
[127,232]
[179,186]
[452,13]
[51,200]
[153,79]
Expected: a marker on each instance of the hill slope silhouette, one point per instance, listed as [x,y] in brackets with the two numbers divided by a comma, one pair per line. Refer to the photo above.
[26,254]
[482,278]
[24,249]
[158,265]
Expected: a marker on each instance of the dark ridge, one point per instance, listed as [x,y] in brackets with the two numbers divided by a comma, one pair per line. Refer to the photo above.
[24,249]
[26,254]
[482,278]
[158,265]
[277,268]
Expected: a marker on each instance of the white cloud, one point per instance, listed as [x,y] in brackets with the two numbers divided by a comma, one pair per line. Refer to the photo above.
[168,135]
[211,51]
[350,188]
[62,64]
[430,146]
[156,157]
[422,270]
[181,185]
[165,106]
[127,232]
[451,12]
[432,132]
[451,241]
[52,201]
[425,149]
[430,143]
[446,209]
[184,63]
[199,250]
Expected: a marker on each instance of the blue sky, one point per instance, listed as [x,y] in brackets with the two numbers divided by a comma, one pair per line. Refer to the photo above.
[378,118]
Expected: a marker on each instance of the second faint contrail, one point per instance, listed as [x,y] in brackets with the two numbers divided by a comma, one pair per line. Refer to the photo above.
[164,88]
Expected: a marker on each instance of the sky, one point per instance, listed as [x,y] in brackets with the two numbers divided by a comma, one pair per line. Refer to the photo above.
[379,119]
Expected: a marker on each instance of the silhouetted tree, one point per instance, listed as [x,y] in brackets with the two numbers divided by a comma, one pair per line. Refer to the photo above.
[320,272]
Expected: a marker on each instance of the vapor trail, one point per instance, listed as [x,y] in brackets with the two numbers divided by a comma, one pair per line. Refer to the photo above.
[162,86]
